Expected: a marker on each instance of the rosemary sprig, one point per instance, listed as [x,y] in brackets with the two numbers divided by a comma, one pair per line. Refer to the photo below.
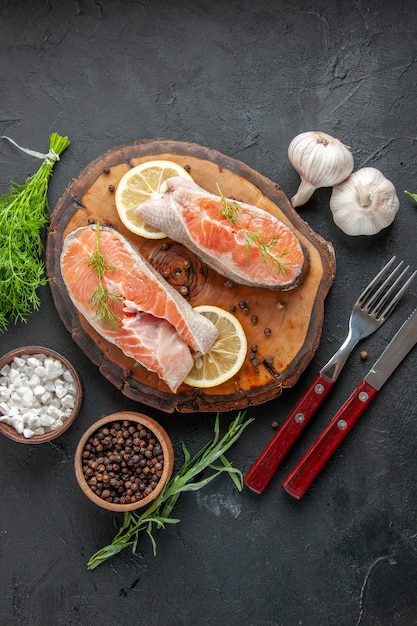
[232,210]
[24,212]
[158,514]
[102,300]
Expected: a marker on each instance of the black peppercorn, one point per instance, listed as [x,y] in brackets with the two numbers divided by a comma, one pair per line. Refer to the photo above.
[122,463]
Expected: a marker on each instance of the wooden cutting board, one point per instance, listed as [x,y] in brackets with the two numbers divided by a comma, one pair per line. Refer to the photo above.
[294,318]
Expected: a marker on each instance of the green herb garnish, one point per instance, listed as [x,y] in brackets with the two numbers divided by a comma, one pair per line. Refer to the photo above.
[102,300]
[157,515]
[232,210]
[412,195]
[24,212]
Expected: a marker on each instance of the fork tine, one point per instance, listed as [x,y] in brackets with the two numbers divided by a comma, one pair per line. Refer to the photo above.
[391,305]
[379,303]
[376,301]
[369,289]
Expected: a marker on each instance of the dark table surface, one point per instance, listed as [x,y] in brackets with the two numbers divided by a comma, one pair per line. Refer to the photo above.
[242,78]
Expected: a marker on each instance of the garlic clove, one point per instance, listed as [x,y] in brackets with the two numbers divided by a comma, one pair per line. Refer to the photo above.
[365,203]
[321,161]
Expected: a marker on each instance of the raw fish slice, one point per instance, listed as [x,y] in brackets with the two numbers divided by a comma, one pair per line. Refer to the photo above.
[250,247]
[162,349]
[155,326]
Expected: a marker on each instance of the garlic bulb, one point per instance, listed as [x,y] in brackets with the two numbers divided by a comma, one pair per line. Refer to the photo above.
[364,203]
[321,161]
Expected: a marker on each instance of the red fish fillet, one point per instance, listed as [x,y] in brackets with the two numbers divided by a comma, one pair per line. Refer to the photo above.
[242,242]
[155,325]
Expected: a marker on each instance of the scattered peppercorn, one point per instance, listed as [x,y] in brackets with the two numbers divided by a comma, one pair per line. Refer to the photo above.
[364,355]
[112,188]
[187,168]
[122,462]
[267,332]
[232,308]
[254,319]
[274,424]
[106,170]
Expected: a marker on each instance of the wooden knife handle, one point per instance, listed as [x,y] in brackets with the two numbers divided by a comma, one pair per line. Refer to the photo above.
[308,468]
[265,466]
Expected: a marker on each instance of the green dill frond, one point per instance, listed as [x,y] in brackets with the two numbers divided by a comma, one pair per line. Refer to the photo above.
[231,210]
[102,300]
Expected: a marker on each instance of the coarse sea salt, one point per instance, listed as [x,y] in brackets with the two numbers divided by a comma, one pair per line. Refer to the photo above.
[37,394]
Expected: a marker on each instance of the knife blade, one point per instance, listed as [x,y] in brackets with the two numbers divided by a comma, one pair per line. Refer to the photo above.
[313,461]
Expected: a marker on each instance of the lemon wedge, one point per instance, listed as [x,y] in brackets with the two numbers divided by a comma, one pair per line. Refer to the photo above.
[141,183]
[226,356]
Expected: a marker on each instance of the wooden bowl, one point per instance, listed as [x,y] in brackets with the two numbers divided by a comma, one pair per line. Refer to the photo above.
[134,419]
[8,430]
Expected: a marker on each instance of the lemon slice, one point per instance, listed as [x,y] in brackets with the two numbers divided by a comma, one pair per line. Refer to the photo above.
[141,183]
[226,356]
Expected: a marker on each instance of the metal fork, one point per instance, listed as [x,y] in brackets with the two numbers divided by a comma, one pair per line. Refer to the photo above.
[369,312]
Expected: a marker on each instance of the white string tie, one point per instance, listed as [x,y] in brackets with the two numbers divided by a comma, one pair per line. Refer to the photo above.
[50,158]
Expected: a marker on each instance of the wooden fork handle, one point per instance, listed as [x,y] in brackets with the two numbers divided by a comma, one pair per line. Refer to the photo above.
[260,474]
[309,467]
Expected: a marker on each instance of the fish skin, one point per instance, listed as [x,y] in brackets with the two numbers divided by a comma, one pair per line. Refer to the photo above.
[156,326]
[191,216]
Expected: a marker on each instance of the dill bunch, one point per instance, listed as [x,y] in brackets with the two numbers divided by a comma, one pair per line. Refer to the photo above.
[24,211]
[195,473]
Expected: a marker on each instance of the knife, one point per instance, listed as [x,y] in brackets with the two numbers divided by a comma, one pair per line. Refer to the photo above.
[308,468]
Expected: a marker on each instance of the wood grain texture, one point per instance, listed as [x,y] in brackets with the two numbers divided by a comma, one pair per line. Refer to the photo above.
[294,317]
